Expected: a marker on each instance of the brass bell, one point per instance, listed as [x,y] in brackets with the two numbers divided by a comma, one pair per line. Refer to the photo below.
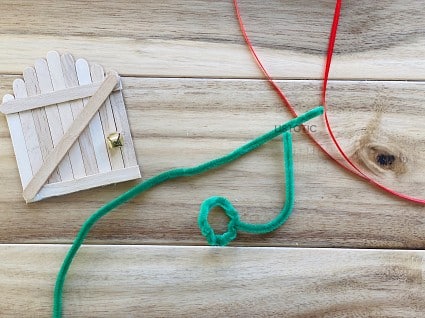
[115,140]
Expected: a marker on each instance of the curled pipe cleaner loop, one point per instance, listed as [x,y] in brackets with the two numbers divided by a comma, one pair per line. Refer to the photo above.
[188,172]
[347,163]
[235,223]
[208,231]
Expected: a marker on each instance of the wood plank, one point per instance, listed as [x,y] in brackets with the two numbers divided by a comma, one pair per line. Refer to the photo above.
[177,120]
[169,281]
[197,38]
[183,122]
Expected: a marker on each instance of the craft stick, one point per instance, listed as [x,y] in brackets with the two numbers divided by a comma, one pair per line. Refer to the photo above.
[55,97]
[28,129]
[69,138]
[65,113]
[101,179]
[95,126]
[40,119]
[18,142]
[107,118]
[121,120]
[86,145]
[53,117]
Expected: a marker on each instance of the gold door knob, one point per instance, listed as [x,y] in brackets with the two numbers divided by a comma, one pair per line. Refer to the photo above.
[115,140]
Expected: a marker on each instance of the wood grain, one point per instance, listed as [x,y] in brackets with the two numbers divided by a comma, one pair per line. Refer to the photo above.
[155,281]
[192,94]
[197,38]
[182,122]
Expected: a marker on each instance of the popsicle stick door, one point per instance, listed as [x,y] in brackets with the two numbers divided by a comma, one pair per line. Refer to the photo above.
[69,128]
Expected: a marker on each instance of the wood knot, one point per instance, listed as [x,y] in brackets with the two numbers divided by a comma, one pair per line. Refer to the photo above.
[381,158]
[385,160]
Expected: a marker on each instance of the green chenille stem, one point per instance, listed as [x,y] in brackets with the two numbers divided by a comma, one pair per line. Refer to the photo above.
[186,172]
[235,223]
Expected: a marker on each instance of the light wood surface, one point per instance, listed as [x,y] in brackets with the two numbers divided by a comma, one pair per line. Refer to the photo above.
[382,40]
[192,93]
[154,281]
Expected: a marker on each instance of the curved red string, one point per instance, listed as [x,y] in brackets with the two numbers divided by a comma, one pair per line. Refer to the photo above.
[351,167]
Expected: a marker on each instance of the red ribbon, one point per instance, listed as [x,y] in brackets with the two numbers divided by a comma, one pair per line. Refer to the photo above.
[348,164]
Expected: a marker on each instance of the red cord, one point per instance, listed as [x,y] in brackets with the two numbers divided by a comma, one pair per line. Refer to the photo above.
[351,167]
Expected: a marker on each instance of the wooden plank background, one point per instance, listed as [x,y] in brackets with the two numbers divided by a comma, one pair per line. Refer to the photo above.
[193,92]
